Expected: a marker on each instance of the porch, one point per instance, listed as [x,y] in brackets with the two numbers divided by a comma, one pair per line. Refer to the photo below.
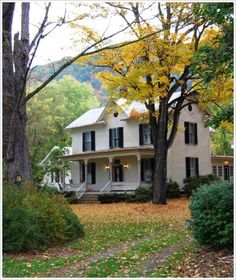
[117,170]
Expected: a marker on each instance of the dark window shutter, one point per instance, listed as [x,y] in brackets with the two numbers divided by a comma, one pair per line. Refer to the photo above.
[195,134]
[197,166]
[93,171]
[186,132]
[121,140]
[187,162]
[83,142]
[141,134]
[121,173]
[110,138]
[151,135]
[142,170]
[93,140]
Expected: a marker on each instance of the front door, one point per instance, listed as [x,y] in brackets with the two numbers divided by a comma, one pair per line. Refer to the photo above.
[226,172]
[117,172]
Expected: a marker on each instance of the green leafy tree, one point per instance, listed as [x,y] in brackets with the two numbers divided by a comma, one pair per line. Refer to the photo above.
[60,103]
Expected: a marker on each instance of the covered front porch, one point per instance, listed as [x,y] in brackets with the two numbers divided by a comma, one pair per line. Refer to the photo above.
[116,170]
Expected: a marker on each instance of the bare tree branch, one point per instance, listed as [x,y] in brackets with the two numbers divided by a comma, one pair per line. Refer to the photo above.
[86,53]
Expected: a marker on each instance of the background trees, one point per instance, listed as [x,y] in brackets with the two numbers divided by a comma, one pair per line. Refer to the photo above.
[51,111]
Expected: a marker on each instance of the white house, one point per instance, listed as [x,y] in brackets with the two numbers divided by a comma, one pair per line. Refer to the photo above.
[112,150]
[55,179]
[223,167]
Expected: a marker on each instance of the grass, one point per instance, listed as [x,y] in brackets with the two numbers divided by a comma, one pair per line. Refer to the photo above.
[107,226]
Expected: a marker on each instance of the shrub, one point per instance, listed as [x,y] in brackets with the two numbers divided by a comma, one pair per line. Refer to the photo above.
[112,197]
[141,194]
[36,219]
[70,197]
[212,215]
[193,183]
[172,190]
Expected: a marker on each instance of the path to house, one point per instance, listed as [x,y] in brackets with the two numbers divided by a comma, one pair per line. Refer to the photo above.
[78,268]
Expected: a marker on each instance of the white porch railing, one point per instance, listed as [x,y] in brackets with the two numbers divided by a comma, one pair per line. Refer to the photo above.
[106,188]
[81,190]
[71,187]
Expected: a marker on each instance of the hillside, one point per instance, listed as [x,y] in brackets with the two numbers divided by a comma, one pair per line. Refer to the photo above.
[79,72]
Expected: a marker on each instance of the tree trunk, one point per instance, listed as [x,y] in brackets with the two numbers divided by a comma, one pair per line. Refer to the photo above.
[160,150]
[15,67]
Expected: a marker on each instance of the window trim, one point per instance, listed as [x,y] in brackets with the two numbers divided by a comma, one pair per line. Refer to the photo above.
[191,133]
[143,127]
[88,140]
[188,162]
[116,137]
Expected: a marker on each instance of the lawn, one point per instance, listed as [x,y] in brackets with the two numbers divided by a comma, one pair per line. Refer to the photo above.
[120,239]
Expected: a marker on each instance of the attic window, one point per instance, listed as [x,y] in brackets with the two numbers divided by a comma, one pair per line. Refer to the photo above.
[190,108]
[115,114]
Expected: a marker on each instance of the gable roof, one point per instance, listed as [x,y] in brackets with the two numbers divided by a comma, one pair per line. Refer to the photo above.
[68,151]
[88,118]
[93,116]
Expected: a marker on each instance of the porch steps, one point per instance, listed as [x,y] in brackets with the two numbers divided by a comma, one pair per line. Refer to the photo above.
[89,197]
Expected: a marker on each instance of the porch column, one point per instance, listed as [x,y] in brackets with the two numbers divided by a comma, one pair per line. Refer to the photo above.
[139,169]
[110,170]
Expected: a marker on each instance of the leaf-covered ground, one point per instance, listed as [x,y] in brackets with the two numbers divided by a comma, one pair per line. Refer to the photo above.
[126,240]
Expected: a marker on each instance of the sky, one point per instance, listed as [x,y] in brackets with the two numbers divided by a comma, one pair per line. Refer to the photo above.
[64,40]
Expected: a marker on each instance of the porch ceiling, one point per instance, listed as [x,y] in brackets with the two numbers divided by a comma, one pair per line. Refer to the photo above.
[143,150]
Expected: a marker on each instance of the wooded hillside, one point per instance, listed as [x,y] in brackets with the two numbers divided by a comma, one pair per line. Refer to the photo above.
[82,73]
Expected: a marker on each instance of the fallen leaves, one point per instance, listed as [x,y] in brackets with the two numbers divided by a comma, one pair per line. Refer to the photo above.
[206,264]
[175,211]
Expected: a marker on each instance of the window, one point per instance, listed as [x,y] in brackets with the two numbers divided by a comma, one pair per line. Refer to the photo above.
[147,170]
[190,133]
[231,171]
[220,171]
[145,134]
[191,166]
[88,141]
[91,175]
[214,170]
[116,137]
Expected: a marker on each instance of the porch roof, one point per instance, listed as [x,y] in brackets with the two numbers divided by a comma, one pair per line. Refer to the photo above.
[145,150]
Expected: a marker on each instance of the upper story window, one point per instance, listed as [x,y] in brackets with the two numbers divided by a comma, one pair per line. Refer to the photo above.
[89,141]
[116,137]
[190,133]
[145,134]
[192,168]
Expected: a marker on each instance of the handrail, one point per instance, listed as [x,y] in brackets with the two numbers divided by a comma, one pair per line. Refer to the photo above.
[107,184]
[81,190]
[70,186]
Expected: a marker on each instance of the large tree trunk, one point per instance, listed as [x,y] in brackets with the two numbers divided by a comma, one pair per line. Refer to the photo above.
[160,150]
[15,67]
